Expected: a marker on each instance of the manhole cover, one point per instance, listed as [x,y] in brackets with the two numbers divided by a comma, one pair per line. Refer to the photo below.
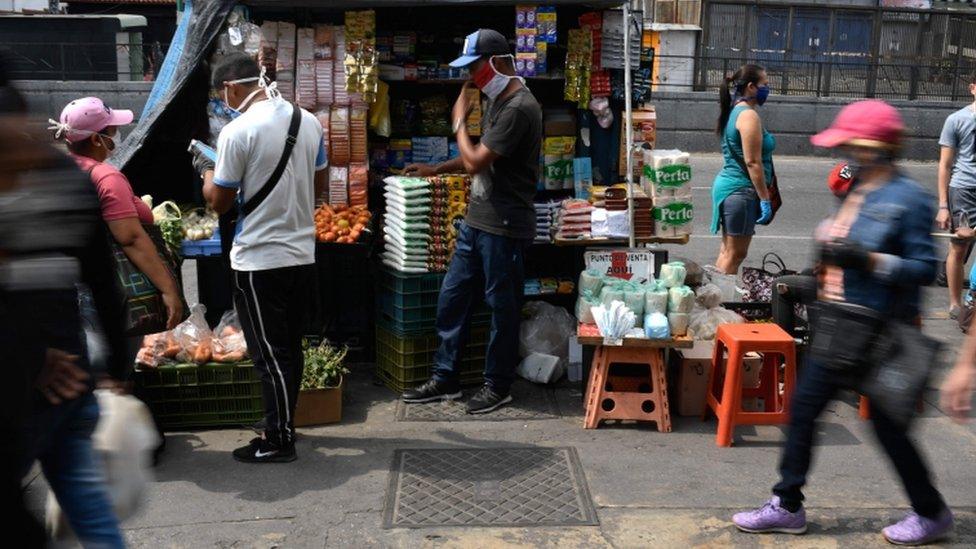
[529,402]
[488,487]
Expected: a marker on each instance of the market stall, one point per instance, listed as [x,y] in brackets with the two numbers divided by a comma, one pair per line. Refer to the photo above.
[375,75]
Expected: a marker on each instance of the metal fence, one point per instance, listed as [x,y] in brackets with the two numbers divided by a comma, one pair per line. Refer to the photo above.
[104,61]
[811,49]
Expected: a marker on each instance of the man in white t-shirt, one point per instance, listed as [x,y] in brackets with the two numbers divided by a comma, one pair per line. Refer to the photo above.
[273,254]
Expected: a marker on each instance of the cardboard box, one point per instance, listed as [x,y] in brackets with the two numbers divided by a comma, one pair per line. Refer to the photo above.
[693,371]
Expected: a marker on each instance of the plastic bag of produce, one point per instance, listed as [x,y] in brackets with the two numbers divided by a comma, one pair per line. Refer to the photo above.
[592,280]
[195,337]
[634,300]
[681,300]
[656,326]
[655,299]
[229,344]
[708,313]
[545,330]
[673,274]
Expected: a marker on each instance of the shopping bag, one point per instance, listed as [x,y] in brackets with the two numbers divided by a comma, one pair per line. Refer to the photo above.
[125,439]
[759,282]
[144,311]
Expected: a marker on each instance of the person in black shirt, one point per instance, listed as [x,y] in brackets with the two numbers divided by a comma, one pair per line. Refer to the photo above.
[499,224]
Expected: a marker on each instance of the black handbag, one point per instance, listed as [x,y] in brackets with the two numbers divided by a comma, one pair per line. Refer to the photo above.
[886,360]
[144,311]
[904,359]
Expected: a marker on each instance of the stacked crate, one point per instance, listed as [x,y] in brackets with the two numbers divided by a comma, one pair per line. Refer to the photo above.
[406,340]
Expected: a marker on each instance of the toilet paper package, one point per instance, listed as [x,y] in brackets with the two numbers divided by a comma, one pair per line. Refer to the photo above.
[656,299]
[681,300]
[673,274]
[673,216]
[656,326]
[666,173]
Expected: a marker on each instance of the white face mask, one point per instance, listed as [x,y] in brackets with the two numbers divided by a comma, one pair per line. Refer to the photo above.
[270,90]
[491,82]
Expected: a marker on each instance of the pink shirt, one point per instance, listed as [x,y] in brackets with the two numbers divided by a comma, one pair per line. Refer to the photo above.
[114,192]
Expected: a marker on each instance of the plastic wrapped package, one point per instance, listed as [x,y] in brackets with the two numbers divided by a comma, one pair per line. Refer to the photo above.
[611,293]
[338,185]
[655,299]
[709,296]
[340,148]
[673,274]
[305,93]
[591,280]
[358,152]
[726,283]
[268,54]
[681,300]
[615,321]
[358,184]
[679,323]
[546,330]
[285,60]
[634,300]
[194,337]
[584,305]
[656,326]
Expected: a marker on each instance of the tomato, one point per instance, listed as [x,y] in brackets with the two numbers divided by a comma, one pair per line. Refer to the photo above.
[330,237]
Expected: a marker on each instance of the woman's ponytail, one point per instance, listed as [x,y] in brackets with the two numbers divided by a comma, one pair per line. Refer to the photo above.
[725,104]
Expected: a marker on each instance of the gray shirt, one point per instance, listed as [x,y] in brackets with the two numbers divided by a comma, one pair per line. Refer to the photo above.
[501,196]
[959,134]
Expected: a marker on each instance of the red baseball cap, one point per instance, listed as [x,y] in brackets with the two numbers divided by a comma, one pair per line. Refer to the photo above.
[840,180]
[89,115]
[867,123]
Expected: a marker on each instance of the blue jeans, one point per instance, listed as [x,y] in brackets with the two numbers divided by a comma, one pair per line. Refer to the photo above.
[62,443]
[482,262]
[815,390]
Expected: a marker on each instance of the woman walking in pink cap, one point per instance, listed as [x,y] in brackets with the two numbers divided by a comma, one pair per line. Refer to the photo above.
[876,253]
[89,128]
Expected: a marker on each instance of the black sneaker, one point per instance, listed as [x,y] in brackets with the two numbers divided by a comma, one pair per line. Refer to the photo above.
[431,391]
[262,451]
[487,400]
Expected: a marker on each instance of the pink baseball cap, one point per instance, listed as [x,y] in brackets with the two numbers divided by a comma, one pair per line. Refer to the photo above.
[89,115]
[867,123]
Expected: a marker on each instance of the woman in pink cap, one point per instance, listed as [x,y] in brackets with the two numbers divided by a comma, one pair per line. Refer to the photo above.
[876,252]
[89,128]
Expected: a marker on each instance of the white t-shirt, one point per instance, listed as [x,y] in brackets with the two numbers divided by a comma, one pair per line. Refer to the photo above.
[281,231]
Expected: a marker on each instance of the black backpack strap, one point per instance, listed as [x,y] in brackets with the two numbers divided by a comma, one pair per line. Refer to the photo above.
[251,204]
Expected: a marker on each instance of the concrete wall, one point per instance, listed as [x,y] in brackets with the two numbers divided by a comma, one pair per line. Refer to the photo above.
[685,120]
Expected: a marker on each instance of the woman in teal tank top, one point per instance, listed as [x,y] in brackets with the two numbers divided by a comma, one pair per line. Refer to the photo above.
[740,193]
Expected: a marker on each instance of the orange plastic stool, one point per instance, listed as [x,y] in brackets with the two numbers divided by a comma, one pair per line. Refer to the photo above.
[628,397]
[725,391]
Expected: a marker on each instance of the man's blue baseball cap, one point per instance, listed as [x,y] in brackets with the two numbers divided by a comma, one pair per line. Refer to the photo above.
[481,43]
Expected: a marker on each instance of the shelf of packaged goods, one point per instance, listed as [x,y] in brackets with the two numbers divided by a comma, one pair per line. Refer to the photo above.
[601,241]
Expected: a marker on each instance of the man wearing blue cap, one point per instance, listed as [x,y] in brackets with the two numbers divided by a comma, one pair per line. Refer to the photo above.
[499,224]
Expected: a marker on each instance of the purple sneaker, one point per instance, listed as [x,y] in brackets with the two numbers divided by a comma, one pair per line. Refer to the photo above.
[771,518]
[915,529]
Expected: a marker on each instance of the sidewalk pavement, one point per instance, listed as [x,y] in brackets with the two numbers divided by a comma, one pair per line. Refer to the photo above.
[650,489]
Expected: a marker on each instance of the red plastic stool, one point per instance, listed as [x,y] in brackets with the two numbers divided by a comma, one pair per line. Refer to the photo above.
[628,397]
[725,391]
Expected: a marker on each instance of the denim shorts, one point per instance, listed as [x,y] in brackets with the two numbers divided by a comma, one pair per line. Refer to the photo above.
[739,211]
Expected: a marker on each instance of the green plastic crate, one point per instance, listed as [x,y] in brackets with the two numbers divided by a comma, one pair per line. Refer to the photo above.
[477,336]
[403,283]
[426,358]
[400,380]
[209,395]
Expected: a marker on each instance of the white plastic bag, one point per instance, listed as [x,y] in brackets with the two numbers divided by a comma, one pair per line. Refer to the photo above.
[229,343]
[545,330]
[725,282]
[125,437]
[709,313]
[540,368]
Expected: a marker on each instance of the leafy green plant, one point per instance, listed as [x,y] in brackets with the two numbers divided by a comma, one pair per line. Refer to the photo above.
[323,366]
